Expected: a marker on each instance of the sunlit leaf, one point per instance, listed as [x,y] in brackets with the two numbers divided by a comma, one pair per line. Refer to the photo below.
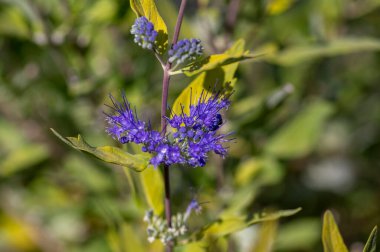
[108,154]
[217,77]
[17,233]
[148,9]
[125,239]
[275,7]
[209,244]
[101,11]
[266,237]
[299,136]
[235,54]
[12,22]
[265,169]
[299,54]
[153,185]
[200,246]
[230,224]
[370,246]
[331,238]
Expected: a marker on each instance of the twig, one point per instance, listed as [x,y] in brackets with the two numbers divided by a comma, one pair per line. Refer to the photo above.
[164,104]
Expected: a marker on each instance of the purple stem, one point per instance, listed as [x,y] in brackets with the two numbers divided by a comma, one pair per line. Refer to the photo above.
[164,104]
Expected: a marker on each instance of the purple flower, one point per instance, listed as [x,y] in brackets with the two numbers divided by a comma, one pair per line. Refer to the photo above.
[124,126]
[194,138]
[195,206]
[196,132]
[185,50]
[145,35]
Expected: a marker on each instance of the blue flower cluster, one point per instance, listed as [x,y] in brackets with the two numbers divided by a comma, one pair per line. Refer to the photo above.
[185,50]
[195,133]
[145,35]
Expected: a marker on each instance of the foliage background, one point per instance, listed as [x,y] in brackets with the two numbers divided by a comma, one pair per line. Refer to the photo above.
[306,117]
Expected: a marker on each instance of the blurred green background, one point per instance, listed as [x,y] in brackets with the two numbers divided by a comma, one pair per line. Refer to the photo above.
[306,118]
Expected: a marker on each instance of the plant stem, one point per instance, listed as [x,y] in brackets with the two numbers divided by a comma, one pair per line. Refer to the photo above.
[164,104]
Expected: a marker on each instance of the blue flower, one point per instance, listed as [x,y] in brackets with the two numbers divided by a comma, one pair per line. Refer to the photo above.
[196,132]
[195,206]
[194,137]
[185,50]
[145,35]
[124,126]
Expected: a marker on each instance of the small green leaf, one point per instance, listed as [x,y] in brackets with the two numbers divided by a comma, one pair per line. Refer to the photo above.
[223,76]
[108,154]
[230,224]
[148,9]
[370,246]
[299,136]
[153,185]
[331,238]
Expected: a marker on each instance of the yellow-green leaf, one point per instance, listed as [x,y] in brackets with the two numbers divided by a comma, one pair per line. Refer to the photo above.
[148,9]
[299,136]
[153,185]
[218,76]
[200,246]
[125,239]
[17,233]
[331,238]
[299,235]
[230,224]
[108,154]
[22,158]
[233,55]
[266,237]
[275,7]
[370,246]
[341,46]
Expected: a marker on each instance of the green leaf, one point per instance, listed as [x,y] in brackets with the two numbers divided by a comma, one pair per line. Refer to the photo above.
[263,170]
[125,239]
[299,235]
[101,11]
[331,238]
[233,55]
[230,224]
[299,136]
[108,154]
[200,246]
[12,22]
[22,158]
[223,76]
[276,7]
[148,9]
[341,46]
[153,185]
[370,246]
